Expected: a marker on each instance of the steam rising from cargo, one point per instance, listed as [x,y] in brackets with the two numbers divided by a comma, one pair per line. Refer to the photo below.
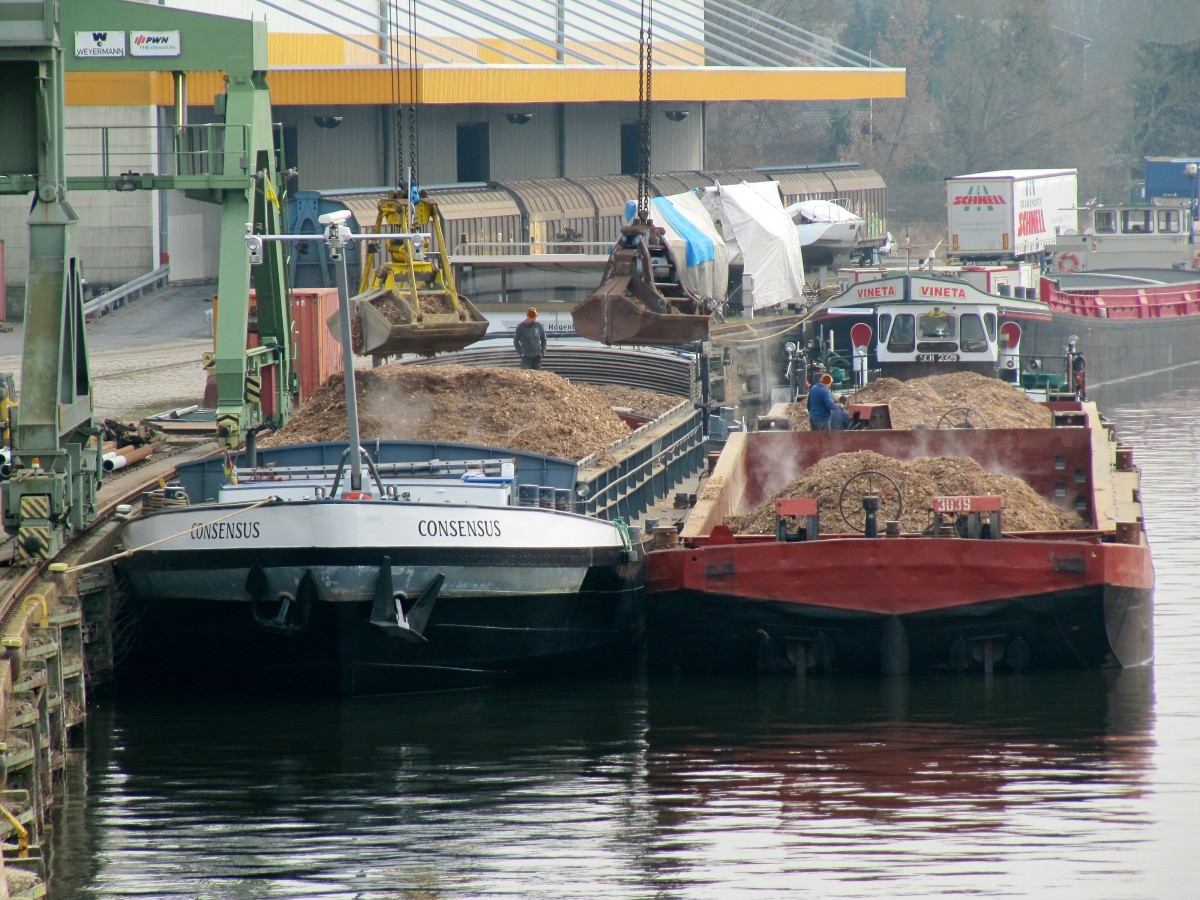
[519,410]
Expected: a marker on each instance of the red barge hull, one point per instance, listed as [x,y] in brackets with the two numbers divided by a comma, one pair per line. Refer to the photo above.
[894,603]
[943,603]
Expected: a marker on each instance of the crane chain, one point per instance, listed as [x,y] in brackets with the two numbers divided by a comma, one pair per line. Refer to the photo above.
[406,142]
[645,62]
[413,86]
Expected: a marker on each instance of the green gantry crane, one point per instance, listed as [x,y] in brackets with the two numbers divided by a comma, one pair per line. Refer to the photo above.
[51,494]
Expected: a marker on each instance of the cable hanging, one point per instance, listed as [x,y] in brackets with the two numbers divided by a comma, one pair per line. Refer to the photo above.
[406,137]
[645,51]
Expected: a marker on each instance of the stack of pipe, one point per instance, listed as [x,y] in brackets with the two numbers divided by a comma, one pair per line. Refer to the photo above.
[121,457]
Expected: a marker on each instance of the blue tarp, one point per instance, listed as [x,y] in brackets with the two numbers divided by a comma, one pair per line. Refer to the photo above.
[699,246]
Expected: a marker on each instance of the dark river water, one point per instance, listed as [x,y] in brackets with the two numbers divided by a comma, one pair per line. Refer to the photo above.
[1061,785]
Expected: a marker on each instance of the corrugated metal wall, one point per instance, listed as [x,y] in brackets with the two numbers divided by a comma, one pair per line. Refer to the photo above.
[536,213]
[358,152]
[524,151]
[353,153]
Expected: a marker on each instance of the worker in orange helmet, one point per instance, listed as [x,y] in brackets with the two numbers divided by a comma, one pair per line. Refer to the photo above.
[530,340]
[821,404]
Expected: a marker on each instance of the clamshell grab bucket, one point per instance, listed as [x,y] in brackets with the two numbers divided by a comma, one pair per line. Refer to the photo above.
[407,302]
[386,323]
[616,314]
[641,300]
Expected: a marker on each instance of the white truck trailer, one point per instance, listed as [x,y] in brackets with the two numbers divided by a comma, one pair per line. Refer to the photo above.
[1011,214]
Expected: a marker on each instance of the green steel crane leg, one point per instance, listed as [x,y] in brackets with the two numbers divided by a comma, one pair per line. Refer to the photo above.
[52,490]
[248,112]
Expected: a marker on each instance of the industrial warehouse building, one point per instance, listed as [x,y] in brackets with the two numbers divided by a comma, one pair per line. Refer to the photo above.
[494,91]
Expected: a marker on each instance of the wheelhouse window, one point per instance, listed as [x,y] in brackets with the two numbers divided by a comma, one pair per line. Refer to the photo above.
[883,323]
[1104,221]
[971,336]
[936,325]
[902,337]
[1170,221]
[989,322]
[1136,221]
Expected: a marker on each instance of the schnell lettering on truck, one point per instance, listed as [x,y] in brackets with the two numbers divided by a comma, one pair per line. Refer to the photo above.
[1031,222]
[979,200]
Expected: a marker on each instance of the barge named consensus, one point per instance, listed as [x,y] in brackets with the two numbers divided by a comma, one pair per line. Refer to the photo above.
[433,578]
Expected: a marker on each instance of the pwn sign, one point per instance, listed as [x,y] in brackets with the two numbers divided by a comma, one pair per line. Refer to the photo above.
[154,43]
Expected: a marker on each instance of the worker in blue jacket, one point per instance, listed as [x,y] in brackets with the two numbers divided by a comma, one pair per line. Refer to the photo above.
[840,421]
[821,404]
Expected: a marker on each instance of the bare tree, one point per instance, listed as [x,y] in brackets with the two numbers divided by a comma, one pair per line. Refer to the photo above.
[900,137]
[770,133]
[1165,116]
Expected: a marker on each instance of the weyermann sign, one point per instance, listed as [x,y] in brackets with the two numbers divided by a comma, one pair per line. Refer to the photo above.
[99,43]
[113,43]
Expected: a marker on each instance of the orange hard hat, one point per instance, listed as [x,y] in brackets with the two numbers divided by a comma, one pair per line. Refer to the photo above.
[531,312]
[826,379]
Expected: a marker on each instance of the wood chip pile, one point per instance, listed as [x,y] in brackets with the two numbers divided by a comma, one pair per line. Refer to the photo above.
[921,402]
[920,480]
[513,409]
[639,400]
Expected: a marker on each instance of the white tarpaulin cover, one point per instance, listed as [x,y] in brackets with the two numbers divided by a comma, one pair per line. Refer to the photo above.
[752,216]
[832,228]
[820,211]
[698,249]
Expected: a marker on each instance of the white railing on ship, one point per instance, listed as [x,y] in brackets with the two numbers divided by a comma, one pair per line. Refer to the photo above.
[433,467]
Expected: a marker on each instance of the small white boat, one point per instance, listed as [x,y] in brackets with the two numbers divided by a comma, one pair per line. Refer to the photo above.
[1160,235]
[826,229]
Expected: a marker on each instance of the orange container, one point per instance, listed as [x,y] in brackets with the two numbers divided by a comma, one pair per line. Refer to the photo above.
[318,355]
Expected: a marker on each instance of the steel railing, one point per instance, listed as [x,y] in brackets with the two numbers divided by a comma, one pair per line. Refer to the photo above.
[118,297]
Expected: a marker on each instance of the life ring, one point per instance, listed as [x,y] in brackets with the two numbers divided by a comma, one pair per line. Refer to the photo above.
[1069,262]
